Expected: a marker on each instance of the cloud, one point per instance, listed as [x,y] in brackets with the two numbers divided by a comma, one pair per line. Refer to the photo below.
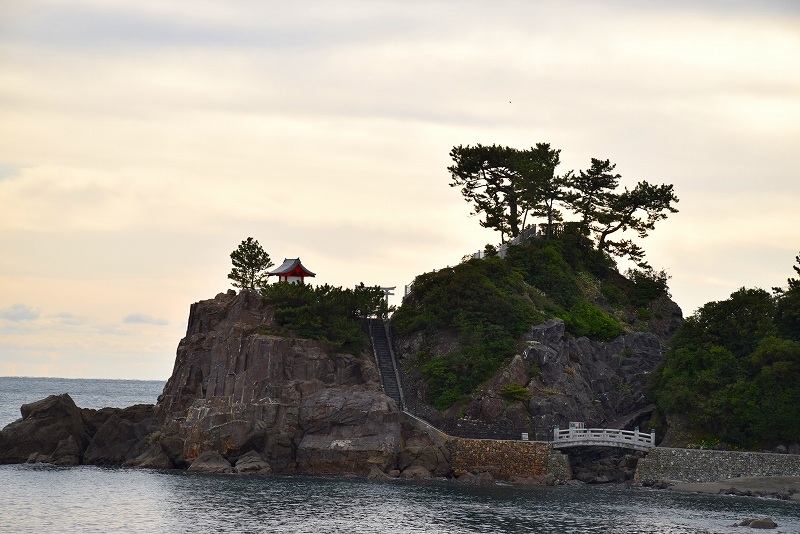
[19,312]
[141,318]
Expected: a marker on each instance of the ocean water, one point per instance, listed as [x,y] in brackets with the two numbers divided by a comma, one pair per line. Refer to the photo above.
[44,499]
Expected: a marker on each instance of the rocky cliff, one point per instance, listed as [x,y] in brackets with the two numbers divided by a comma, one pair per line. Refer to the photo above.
[236,395]
[565,379]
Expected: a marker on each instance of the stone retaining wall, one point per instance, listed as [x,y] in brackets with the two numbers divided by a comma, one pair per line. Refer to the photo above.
[501,458]
[558,465]
[695,465]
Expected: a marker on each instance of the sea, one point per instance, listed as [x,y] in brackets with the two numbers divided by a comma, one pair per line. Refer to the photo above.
[43,499]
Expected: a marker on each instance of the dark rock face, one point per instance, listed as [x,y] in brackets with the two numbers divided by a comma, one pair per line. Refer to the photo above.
[54,430]
[118,434]
[569,379]
[582,380]
[349,428]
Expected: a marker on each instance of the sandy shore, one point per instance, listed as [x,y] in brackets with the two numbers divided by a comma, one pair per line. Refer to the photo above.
[757,486]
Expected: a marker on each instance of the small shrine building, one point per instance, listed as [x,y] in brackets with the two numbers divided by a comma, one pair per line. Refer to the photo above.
[291,270]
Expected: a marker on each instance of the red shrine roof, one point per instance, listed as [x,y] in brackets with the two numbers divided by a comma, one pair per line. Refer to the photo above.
[291,267]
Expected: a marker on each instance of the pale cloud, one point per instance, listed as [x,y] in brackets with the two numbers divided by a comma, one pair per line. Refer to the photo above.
[141,318]
[19,312]
[143,140]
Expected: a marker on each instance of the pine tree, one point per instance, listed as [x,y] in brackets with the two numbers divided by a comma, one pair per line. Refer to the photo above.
[250,264]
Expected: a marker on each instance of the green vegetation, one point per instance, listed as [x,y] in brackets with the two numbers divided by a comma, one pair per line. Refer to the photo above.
[515,392]
[487,304]
[250,264]
[734,369]
[329,314]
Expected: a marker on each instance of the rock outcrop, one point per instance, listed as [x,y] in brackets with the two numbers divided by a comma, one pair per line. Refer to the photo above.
[238,396]
[235,388]
[54,430]
[568,379]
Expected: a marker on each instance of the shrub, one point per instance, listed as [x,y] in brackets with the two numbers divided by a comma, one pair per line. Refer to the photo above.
[648,285]
[515,392]
[324,313]
[588,320]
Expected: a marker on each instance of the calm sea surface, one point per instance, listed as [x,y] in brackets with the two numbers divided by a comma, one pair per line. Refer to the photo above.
[38,498]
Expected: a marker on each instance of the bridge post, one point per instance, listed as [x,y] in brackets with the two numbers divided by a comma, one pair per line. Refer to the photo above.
[653,437]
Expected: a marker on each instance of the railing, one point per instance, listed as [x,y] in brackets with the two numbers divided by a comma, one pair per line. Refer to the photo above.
[608,437]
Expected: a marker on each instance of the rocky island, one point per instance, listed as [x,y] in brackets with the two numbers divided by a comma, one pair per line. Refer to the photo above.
[238,399]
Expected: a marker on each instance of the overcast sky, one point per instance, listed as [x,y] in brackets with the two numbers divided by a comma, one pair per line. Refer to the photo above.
[141,141]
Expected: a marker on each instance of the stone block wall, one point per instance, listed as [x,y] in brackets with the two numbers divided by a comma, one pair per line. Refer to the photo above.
[558,465]
[501,458]
[695,465]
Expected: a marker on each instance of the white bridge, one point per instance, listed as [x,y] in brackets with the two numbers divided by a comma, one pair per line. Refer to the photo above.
[579,436]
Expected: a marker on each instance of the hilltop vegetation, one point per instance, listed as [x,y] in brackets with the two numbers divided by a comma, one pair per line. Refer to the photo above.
[486,304]
[732,373]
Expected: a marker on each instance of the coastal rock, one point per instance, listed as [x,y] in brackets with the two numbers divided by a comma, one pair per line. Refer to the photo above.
[118,433]
[210,462]
[251,463]
[763,523]
[375,473]
[153,457]
[45,425]
[68,452]
[431,457]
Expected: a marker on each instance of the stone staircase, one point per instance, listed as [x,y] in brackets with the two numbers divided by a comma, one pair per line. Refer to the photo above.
[385,359]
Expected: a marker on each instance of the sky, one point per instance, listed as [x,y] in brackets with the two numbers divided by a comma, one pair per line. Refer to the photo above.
[142,140]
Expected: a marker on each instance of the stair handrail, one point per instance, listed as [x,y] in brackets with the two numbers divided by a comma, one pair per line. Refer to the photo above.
[375,352]
[386,331]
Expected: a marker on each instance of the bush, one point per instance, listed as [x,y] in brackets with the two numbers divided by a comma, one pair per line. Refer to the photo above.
[648,285]
[515,392]
[325,313]
[585,319]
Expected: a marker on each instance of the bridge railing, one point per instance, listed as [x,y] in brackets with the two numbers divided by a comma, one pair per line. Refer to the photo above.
[606,436]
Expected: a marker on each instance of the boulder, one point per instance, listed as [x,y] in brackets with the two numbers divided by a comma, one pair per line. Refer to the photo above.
[45,425]
[251,463]
[210,462]
[433,458]
[153,457]
[68,452]
[376,474]
[763,523]
[416,472]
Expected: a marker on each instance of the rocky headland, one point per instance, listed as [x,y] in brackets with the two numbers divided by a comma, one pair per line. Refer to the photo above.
[239,400]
